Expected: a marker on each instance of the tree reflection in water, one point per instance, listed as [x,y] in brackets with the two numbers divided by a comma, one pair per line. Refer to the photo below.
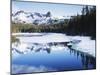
[86,59]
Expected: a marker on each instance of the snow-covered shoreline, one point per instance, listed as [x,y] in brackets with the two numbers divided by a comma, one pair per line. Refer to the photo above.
[86,45]
[19,34]
[46,38]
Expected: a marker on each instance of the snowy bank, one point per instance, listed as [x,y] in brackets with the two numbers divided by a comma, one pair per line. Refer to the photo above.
[86,45]
[47,38]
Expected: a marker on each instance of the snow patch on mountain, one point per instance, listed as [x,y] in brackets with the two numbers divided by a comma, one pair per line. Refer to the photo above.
[33,18]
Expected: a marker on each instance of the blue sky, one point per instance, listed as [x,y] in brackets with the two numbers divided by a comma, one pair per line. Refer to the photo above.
[57,10]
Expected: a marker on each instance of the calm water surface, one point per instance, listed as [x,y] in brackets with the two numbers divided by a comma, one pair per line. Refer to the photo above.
[63,59]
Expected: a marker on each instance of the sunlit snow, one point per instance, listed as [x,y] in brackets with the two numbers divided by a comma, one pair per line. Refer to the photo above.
[28,40]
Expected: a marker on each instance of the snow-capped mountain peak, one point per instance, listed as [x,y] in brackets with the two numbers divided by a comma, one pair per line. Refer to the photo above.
[33,18]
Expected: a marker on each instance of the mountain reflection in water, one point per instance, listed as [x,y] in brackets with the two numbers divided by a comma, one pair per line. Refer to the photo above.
[65,59]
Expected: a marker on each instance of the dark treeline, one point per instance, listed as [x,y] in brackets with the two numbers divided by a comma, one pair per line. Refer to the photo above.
[57,28]
[84,24]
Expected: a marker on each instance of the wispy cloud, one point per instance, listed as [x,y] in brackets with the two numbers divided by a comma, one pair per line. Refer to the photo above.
[30,69]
